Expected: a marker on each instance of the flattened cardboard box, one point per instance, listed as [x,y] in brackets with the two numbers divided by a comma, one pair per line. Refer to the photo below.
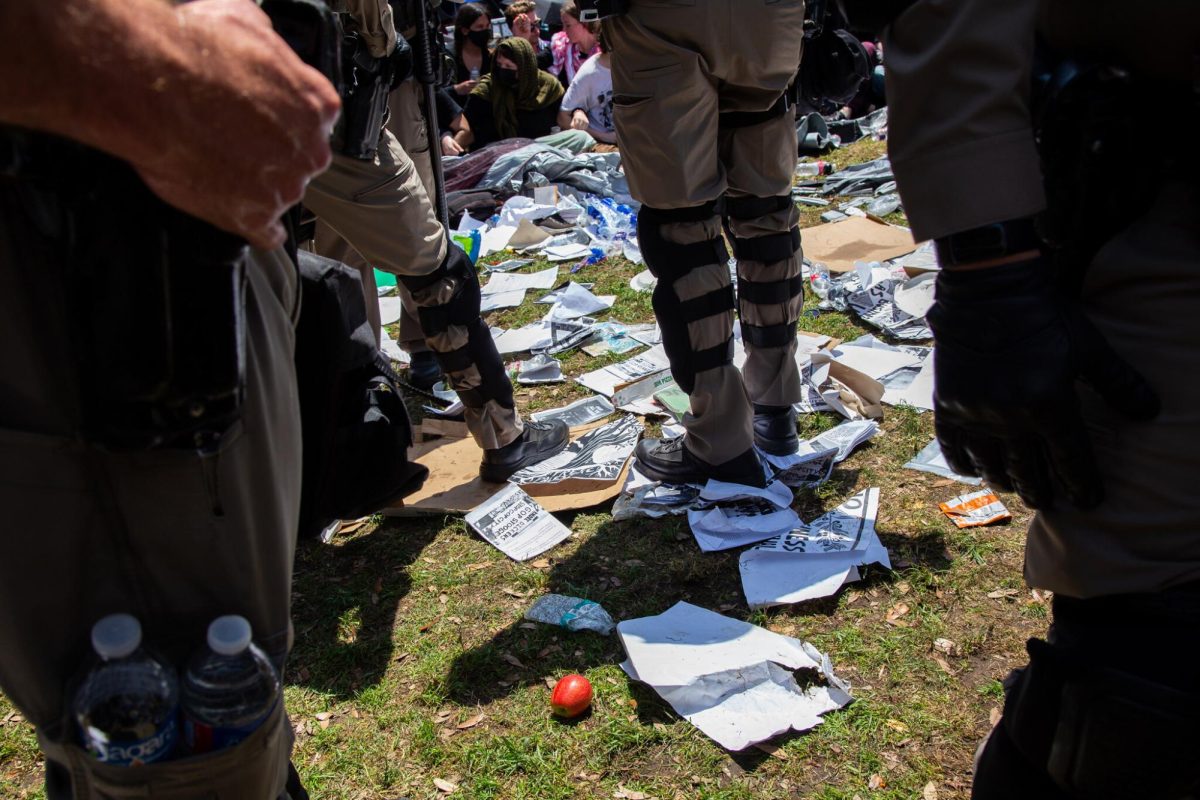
[839,244]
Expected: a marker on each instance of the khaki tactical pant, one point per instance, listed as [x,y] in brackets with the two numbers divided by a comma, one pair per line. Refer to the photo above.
[683,74]
[90,533]
[383,211]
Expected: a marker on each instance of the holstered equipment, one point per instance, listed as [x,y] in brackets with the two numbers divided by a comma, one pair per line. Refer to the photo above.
[367,84]
[154,297]
[1102,733]
[669,262]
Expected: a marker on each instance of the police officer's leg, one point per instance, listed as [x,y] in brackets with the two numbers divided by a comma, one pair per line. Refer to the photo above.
[382,209]
[665,109]
[763,226]
[424,371]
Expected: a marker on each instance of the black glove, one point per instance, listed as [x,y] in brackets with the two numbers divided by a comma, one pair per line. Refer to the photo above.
[1009,351]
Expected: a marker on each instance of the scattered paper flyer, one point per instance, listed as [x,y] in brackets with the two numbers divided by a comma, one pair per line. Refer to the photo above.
[931,459]
[638,397]
[606,379]
[975,509]
[815,560]
[598,455]
[654,501]
[505,282]
[575,301]
[509,265]
[845,437]
[581,412]
[540,369]
[495,302]
[807,468]
[732,515]
[732,680]
[390,309]
[524,339]
[513,522]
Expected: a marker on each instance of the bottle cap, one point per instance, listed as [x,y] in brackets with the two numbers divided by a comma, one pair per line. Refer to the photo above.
[116,636]
[229,635]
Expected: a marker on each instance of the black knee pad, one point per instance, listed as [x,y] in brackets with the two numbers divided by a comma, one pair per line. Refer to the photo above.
[766,249]
[669,261]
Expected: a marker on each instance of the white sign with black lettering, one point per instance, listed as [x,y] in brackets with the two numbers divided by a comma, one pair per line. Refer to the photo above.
[515,524]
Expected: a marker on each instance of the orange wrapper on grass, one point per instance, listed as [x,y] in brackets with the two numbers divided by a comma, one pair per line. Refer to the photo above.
[571,696]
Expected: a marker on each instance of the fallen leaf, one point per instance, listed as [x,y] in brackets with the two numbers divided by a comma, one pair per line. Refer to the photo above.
[354,713]
[350,526]
[853,597]
[429,560]
[930,791]
[541,563]
[897,725]
[402,656]
[325,724]
[590,777]
[903,588]
[550,682]
[944,645]
[997,594]
[443,598]
[528,626]
[945,665]
[773,750]
[445,733]
[515,593]
[479,566]
[324,715]
[445,786]
[629,794]
[994,716]
[470,723]
[943,482]
[876,783]
[442,716]
[511,659]
[895,613]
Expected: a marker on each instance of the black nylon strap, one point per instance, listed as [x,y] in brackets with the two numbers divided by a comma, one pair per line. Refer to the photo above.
[768,336]
[713,357]
[706,305]
[754,207]
[665,216]
[767,249]
[770,292]
[455,360]
[471,398]
[434,319]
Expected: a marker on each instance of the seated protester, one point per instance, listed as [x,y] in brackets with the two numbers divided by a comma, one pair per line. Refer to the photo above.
[574,44]
[588,103]
[453,128]
[516,99]
[472,34]
[523,21]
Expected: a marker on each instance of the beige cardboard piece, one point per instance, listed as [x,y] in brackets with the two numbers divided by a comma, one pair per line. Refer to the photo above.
[839,244]
[454,486]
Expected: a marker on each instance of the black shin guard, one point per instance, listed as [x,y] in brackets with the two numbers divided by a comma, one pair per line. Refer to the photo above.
[462,310]
[769,249]
[669,261]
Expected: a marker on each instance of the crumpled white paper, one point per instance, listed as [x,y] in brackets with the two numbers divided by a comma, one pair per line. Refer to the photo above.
[730,679]
[741,514]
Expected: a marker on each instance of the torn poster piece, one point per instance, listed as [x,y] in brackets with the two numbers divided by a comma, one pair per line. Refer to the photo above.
[581,412]
[648,334]
[732,680]
[606,379]
[390,309]
[655,500]
[575,302]
[551,297]
[611,338]
[804,469]
[730,515]
[566,252]
[505,282]
[495,302]
[392,349]
[975,509]
[874,362]
[845,437]
[540,369]
[638,397]
[815,560]
[598,455]
[567,334]
[931,459]
[674,400]
[876,306]
[527,338]
[509,265]
[513,522]
[914,389]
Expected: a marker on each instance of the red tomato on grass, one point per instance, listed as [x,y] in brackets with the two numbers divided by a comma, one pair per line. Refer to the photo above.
[571,696]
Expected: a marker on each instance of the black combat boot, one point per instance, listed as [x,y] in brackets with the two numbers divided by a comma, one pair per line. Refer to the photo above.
[669,461]
[423,370]
[537,442]
[775,430]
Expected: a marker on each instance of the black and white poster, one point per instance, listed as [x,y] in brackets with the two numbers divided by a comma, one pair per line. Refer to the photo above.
[599,455]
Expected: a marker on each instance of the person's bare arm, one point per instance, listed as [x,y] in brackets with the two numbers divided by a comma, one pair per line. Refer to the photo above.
[564,119]
[607,137]
[214,110]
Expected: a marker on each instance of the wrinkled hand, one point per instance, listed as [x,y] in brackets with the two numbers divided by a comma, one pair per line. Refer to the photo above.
[579,120]
[1009,353]
[450,147]
[465,87]
[243,128]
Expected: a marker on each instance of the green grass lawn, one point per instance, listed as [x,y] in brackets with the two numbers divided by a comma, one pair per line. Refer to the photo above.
[415,676]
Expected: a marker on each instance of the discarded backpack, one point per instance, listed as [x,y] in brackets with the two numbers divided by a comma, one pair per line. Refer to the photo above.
[355,427]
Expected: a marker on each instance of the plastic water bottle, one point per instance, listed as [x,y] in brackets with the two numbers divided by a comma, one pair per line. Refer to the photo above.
[474,73]
[819,280]
[814,168]
[229,688]
[127,704]
[572,613]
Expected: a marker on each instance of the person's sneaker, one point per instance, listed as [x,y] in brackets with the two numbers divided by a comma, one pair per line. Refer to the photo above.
[669,461]
[775,430]
[423,370]
[537,442]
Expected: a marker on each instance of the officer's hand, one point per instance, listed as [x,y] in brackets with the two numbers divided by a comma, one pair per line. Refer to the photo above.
[1009,354]
[242,128]
[579,120]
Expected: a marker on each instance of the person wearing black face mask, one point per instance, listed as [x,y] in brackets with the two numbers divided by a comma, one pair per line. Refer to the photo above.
[515,99]
[472,35]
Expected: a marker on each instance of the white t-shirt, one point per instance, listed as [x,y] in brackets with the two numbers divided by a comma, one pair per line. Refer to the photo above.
[591,90]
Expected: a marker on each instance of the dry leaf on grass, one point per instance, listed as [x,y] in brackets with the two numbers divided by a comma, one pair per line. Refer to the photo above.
[895,613]
[515,593]
[945,665]
[994,716]
[470,723]
[944,646]
[479,566]
[629,794]
[938,484]
[997,594]
[897,725]
[445,786]
[930,791]
[350,526]
[876,783]
[541,563]
[511,659]
[773,750]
